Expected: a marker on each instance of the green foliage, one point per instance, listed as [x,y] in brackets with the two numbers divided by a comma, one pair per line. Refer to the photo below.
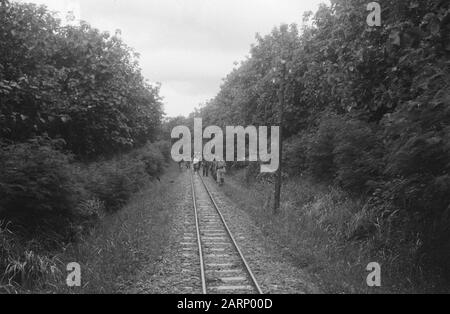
[84,88]
[42,191]
[50,201]
[153,160]
[111,185]
[166,150]
[341,149]
[333,236]
[358,155]
[113,182]
[366,108]
[35,185]
[67,90]
[321,151]
[295,153]
[71,82]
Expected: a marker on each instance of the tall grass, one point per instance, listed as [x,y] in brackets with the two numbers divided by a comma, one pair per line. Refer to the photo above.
[114,252]
[22,267]
[322,229]
[111,254]
[32,237]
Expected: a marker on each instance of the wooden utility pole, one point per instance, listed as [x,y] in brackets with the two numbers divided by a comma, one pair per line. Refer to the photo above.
[281,99]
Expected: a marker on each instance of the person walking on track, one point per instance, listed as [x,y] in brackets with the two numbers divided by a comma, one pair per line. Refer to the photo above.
[205,167]
[221,170]
[196,164]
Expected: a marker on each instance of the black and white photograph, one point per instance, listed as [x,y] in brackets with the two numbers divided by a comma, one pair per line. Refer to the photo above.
[224,155]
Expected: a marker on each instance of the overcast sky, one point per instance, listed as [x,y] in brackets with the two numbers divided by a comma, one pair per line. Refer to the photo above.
[186,45]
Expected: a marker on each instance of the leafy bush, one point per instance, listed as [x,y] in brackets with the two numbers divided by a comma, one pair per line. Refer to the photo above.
[87,214]
[252,171]
[320,156]
[111,185]
[41,189]
[36,188]
[112,182]
[344,150]
[153,160]
[358,155]
[165,148]
[296,151]
[51,201]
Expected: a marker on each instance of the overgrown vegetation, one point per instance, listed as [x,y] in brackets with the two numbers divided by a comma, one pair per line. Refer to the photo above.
[48,201]
[367,111]
[78,125]
[111,250]
[323,230]
[71,82]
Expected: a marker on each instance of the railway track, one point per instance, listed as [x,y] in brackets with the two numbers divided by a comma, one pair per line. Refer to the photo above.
[223,268]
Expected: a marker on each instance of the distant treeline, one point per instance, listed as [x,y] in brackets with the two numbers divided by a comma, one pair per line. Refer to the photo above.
[367,108]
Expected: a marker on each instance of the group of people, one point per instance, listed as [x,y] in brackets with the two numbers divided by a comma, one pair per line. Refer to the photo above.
[216,168]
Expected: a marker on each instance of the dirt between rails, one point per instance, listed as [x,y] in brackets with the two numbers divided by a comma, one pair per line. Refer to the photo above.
[178,271]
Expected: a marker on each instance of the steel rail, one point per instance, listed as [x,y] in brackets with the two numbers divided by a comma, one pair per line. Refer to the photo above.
[199,242]
[247,267]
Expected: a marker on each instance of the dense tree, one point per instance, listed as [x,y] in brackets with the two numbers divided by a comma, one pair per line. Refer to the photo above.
[71,82]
